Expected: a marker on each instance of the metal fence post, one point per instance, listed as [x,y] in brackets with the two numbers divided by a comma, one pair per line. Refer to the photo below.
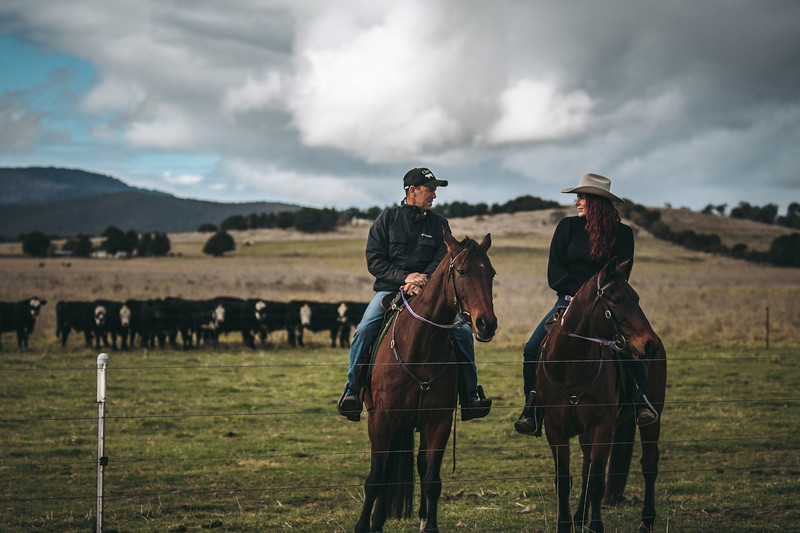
[102,460]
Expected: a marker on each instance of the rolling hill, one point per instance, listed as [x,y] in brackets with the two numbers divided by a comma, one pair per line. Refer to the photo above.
[65,202]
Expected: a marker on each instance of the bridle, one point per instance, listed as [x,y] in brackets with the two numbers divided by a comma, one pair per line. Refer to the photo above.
[425,385]
[456,301]
[619,343]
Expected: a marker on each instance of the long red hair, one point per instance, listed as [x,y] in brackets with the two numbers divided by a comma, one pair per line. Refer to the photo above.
[602,219]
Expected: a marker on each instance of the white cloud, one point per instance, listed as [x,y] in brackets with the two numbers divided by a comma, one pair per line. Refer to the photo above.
[535,110]
[182,179]
[254,94]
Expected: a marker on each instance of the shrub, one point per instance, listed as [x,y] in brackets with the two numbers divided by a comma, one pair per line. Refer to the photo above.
[218,244]
[785,250]
[80,246]
[36,244]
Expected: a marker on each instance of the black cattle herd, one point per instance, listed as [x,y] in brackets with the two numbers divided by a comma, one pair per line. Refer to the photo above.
[156,323]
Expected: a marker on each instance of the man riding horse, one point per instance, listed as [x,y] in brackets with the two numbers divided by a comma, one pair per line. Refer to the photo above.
[404,247]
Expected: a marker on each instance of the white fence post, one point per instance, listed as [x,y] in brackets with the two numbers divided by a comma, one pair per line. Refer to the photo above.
[102,460]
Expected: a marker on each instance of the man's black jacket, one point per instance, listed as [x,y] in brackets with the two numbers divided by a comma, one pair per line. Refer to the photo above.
[404,239]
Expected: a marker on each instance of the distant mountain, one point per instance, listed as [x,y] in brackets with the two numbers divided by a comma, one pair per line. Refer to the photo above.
[65,202]
[39,185]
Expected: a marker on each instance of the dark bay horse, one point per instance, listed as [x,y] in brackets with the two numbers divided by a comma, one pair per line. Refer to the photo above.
[414,384]
[577,385]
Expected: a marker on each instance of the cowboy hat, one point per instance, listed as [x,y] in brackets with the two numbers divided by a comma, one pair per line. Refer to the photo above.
[595,184]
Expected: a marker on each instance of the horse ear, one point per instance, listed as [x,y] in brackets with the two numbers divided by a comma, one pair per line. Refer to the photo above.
[625,268]
[486,242]
[449,239]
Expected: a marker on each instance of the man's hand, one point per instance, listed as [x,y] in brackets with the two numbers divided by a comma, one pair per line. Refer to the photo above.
[414,283]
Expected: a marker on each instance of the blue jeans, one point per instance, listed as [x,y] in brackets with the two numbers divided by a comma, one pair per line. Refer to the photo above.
[530,356]
[368,329]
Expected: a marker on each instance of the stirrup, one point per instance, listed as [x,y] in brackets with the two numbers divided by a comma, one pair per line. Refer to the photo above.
[530,421]
[476,408]
[645,407]
[349,406]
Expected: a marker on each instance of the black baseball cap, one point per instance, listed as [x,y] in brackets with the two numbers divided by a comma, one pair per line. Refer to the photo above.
[422,176]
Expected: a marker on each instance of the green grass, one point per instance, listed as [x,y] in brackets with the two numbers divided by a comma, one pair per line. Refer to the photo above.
[240,440]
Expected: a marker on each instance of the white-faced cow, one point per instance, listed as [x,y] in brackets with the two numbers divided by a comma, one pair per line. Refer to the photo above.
[349,315]
[20,317]
[108,321]
[314,316]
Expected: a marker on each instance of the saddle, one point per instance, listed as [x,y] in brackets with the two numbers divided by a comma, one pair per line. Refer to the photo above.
[391,304]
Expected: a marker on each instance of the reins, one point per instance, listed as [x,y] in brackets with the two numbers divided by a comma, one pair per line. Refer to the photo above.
[456,302]
[618,345]
[425,385]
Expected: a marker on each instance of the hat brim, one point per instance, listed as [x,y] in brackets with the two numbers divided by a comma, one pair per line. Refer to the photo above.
[430,183]
[597,191]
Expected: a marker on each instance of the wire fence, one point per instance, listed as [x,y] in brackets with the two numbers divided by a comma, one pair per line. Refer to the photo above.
[359,458]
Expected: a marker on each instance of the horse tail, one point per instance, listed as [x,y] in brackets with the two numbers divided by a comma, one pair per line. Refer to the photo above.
[398,491]
[619,462]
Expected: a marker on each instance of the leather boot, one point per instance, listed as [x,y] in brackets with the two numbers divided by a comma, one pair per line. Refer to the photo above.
[349,405]
[475,408]
[530,422]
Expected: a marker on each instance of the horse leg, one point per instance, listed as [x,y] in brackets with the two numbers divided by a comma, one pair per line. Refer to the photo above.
[432,445]
[563,482]
[379,435]
[582,511]
[619,462]
[422,471]
[596,485]
[650,456]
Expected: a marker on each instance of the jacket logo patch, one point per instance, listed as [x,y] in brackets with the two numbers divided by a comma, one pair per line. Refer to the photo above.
[426,235]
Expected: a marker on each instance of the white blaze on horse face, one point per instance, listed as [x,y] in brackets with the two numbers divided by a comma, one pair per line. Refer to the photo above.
[341,313]
[125,316]
[99,315]
[305,315]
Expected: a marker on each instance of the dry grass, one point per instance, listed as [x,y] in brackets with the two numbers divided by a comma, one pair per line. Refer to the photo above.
[689,296]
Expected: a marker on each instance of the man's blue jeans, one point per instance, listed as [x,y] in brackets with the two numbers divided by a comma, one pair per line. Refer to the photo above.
[368,329]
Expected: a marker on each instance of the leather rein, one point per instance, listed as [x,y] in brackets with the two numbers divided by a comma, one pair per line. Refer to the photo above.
[425,385]
[618,344]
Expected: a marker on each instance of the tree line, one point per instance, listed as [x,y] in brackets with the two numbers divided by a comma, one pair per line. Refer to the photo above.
[768,214]
[784,250]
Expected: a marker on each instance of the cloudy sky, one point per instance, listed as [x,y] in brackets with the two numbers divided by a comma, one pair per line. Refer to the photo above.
[328,103]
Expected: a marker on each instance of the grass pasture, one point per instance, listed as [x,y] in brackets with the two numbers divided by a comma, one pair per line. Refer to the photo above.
[240,440]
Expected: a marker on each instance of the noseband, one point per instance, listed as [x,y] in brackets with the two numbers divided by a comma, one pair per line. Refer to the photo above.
[619,343]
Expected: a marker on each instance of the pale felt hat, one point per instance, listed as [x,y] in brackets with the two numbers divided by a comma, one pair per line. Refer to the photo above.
[595,184]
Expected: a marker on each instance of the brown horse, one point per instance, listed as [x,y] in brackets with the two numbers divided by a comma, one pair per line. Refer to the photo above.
[577,385]
[414,384]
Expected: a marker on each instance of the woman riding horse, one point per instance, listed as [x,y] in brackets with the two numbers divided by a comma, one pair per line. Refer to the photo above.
[581,245]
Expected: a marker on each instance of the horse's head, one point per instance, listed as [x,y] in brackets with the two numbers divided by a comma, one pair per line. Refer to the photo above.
[472,274]
[615,310]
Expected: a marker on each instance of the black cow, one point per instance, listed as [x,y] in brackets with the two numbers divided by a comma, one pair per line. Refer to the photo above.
[75,315]
[20,317]
[236,314]
[271,316]
[349,315]
[190,318]
[313,316]
[107,320]
[144,318]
